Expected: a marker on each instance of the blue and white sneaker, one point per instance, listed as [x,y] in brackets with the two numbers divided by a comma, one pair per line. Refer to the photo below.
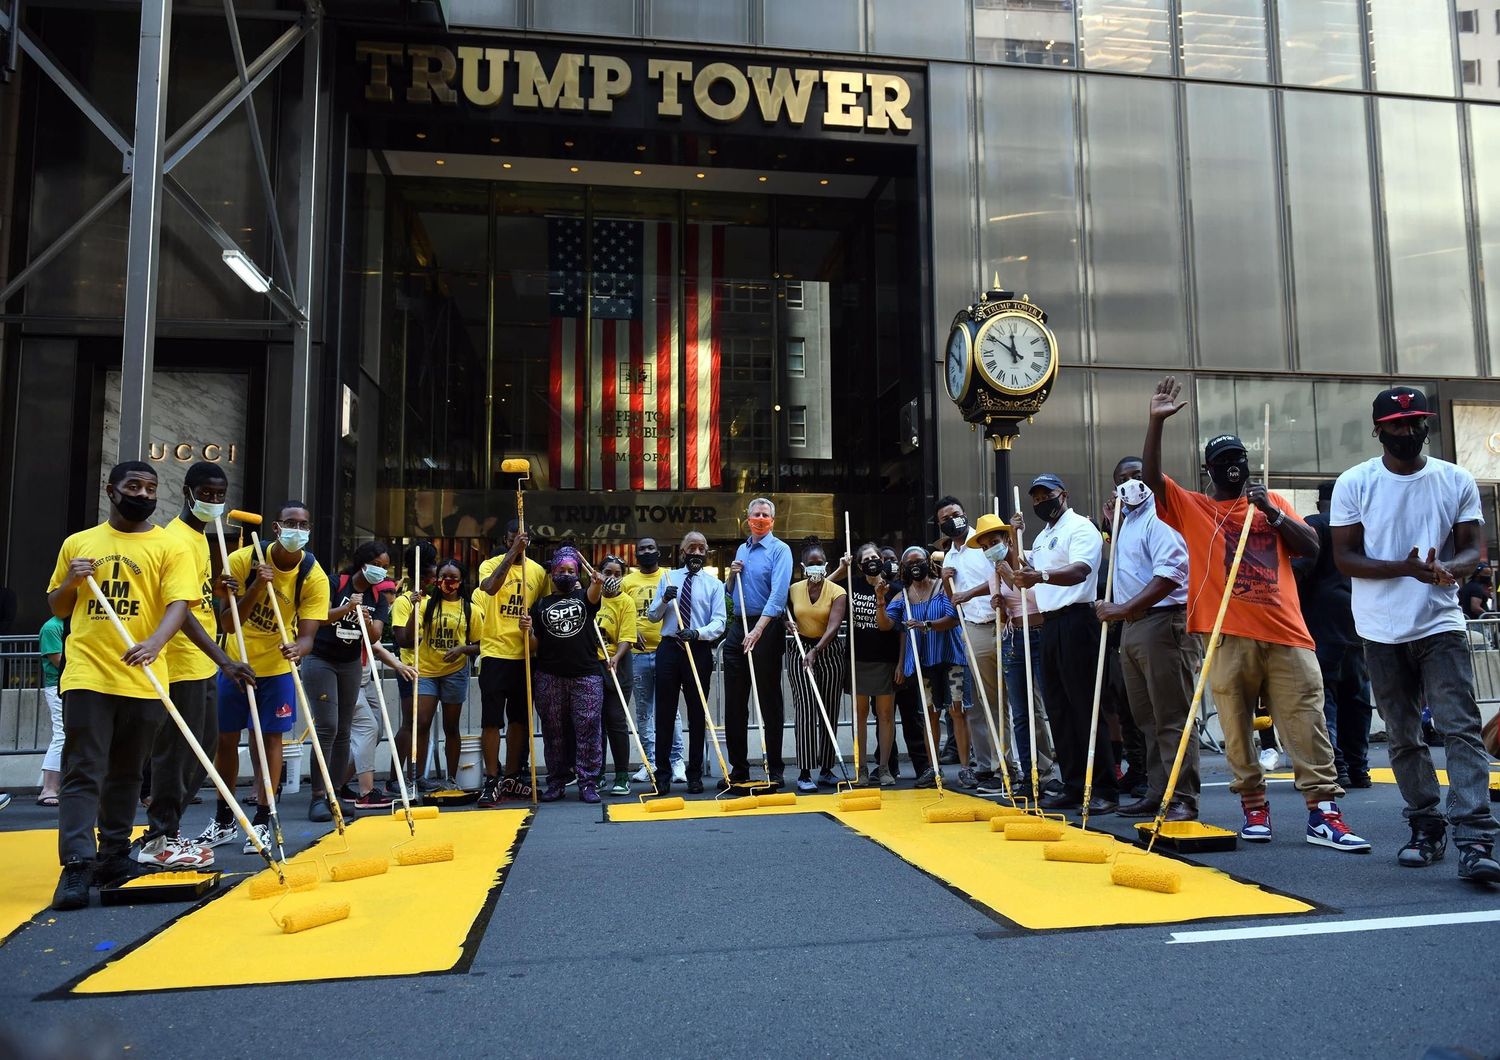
[1257,827]
[1326,828]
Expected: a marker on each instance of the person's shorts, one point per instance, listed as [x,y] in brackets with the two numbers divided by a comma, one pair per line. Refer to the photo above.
[945,685]
[874,678]
[275,696]
[502,692]
[403,687]
[450,688]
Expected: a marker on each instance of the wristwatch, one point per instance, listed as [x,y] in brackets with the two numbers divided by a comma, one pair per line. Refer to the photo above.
[1046,576]
[1279,518]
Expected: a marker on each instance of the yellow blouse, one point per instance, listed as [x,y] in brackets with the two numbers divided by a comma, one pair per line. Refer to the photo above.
[812,615]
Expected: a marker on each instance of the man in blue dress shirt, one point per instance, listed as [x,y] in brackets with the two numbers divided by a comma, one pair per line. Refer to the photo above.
[762,571]
[698,599]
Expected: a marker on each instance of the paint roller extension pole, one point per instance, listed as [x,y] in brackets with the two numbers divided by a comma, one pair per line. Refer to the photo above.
[1026,652]
[385,718]
[416,662]
[625,705]
[818,699]
[329,789]
[1213,642]
[984,697]
[1002,709]
[522,467]
[916,672]
[279,867]
[259,737]
[708,718]
[760,720]
[1109,597]
[856,728]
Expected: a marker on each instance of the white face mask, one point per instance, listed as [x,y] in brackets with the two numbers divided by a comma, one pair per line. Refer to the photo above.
[1133,492]
[996,552]
[374,575]
[292,540]
[815,572]
[205,512]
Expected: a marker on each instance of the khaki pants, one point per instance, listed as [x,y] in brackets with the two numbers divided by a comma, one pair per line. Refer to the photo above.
[1160,661]
[1245,671]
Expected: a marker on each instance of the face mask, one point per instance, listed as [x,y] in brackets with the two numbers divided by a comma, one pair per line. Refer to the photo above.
[694,563]
[1134,493]
[134,507]
[648,559]
[761,524]
[1049,509]
[996,552]
[373,574]
[954,526]
[565,583]
[1404,446]
[205,512]
[815,572]
[611,585]
[292,540]
[449,585]
[871,567]
[917,572]
[1230,477]
[892,570]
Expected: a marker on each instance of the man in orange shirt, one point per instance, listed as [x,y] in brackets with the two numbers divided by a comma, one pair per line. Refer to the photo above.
[1265,650]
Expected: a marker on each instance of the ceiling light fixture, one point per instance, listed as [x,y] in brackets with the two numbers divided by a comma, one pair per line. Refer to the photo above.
[572,169]
[700,176]
[241,265]
[439,161]
[567,143]
[494,139]
[504,165]
[761,178]
[823,181]
[421,136]
[637,172]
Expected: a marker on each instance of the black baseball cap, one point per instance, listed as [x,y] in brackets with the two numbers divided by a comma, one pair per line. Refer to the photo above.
[1399,403]
[1221,444]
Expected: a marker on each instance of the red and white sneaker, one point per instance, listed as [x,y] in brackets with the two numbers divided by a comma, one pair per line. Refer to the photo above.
[172,852]
[1326,828]
[1257,827]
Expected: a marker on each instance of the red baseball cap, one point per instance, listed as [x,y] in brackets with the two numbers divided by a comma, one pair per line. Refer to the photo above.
[1399,403]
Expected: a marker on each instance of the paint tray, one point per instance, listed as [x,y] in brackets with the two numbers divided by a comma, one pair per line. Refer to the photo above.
[450,797]
[1188,837]
[160,887]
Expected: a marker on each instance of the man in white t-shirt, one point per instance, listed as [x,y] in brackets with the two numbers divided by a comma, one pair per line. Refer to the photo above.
[1063,568]
[1406,530]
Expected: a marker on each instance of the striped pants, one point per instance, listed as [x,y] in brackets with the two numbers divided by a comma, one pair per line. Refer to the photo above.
[815,750]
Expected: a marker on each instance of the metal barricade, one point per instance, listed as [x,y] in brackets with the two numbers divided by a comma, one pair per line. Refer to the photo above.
[1484,653]
[25,721]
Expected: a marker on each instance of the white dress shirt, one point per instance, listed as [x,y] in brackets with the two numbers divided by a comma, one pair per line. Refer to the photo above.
[1148,548]
[1072,539]
[971,569]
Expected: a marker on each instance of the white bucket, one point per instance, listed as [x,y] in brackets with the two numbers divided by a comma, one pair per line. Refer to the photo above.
[470,764]
[291,754]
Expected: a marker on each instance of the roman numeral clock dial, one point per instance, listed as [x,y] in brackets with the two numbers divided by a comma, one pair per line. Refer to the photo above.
[1015,353]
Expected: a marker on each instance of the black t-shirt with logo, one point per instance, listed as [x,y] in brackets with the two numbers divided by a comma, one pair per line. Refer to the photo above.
[340,642]
[566,646]
[871,643]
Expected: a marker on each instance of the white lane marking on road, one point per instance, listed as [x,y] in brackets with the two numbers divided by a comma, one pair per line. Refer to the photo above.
[1226,783]
[1335,927]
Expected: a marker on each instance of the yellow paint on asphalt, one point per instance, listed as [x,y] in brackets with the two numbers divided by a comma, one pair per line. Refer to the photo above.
[1014,878]
[410,920]
[31,871]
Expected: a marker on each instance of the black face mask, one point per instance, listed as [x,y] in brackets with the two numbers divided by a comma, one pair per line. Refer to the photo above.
[134,507]
[918,572]
[648,559]
[1049,509]
[694,563]
[1404,446]
[892,570]
[954,526]
[1231,478]
[871,567]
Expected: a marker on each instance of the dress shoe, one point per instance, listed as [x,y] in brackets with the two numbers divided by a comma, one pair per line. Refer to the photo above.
[695,787]
[1099,806]
[1144,808]
[1178,812]
[1060,801]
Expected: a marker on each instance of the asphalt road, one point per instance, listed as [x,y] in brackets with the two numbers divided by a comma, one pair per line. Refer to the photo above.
[750,936]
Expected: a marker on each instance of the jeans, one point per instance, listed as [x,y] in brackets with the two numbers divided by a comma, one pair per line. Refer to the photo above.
[1436,670]
[1346,705]
[643,679]
[982,638]
[1014,657]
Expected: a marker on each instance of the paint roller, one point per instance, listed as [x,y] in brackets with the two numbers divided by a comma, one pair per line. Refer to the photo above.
[1080,851]
[1262,722]
[271,884]
[853,805]
[930,812]
[268,782]
[744,802]
[1189,726]
[1030,831]
[324,913]
[330,790]
[244,519]
[520,466]
[760,721]
[779,798]
[1036,787]
[1109,597]
[828,725]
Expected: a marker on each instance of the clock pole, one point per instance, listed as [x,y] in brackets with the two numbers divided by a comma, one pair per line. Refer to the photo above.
[1001,434]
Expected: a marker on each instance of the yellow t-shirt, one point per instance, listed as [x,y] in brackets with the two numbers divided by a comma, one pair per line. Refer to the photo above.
[262,636]
[140,574]
[812,615]
[400,616]
[185,659]
[641,587]
[501,638]
[445,632]
[616,621]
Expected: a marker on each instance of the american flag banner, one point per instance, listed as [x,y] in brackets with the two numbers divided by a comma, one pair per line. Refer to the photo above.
[635,355]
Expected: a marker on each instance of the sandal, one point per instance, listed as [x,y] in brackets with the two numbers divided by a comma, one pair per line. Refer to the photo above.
[46,800]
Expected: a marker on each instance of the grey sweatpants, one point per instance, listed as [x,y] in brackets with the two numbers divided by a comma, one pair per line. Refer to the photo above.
[333,693]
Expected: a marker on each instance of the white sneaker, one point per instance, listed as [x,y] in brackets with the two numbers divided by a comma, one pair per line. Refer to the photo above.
[204,854]
[1270,759]
[216,835]
[679,773]
[169,852]
[640,776]
[263,833]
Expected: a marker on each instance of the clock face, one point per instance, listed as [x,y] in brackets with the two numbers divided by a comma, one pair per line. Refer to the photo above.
[957,362]
[1015,353]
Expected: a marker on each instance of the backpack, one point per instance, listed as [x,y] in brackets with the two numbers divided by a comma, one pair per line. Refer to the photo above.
[303,570]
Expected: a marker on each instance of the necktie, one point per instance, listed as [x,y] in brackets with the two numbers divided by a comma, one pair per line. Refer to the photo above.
[686,599]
